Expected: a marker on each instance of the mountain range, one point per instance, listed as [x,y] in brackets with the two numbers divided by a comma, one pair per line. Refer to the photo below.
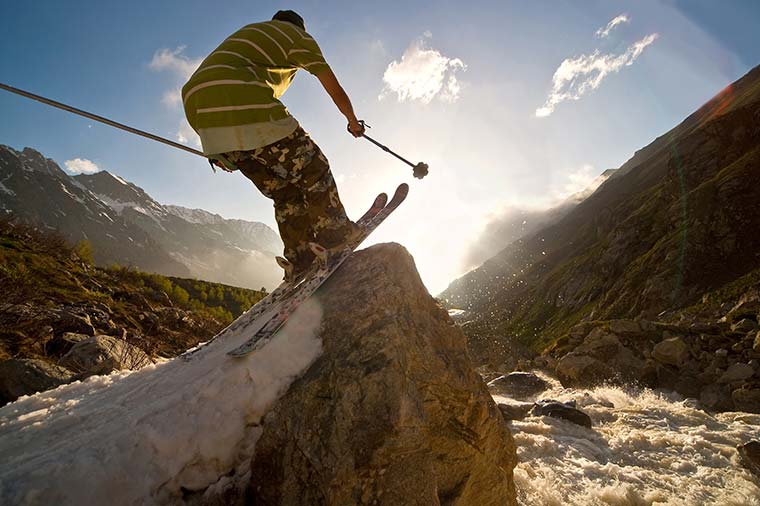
[676,221]
[128,227]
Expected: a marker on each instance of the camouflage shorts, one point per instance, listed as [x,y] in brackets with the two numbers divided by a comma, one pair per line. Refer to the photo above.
[296,175]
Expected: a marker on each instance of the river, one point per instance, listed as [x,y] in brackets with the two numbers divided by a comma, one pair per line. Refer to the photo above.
[646,448]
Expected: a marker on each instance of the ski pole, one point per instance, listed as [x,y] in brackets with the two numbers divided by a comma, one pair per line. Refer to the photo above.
[419,171]
[100,119]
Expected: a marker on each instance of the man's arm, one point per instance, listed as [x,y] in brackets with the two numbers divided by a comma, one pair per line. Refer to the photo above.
[339,96]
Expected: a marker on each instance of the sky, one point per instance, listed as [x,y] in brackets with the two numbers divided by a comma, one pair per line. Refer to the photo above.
[511,103]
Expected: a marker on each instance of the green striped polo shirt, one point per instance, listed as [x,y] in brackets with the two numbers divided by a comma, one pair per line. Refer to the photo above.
[232,99]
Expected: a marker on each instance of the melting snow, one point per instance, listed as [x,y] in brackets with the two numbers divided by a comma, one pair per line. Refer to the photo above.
[119,179]
[142,437]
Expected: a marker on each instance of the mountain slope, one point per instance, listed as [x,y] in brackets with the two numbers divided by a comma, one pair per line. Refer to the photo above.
[235,252]
[515,223]
[35,189]
[126,226]
[675,221]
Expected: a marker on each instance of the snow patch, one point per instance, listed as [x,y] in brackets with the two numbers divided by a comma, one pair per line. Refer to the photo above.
[142,437]
[66,191]
[119,179]
[7,190]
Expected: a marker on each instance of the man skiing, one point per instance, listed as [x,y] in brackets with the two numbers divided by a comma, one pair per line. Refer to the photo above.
[231,101]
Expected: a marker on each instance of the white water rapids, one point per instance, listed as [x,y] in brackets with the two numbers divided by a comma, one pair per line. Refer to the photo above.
[645,448]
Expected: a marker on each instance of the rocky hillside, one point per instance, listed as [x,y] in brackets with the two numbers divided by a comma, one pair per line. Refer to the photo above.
[676,221]
[128,227]
[387,411]
[62,319]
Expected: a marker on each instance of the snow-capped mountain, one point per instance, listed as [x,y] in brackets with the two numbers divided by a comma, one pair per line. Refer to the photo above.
[34,189]
[127,226]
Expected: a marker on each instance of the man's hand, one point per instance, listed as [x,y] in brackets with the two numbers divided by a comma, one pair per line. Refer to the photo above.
[356,128]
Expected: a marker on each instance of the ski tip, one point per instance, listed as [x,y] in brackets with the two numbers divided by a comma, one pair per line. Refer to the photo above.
[381,200]
[401,192]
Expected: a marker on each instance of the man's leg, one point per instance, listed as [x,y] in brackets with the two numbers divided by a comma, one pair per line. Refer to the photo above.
[290,208]
[311,173]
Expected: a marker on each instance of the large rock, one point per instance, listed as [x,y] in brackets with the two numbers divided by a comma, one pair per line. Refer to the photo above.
[747,399]
[750,456]
[737,372]
[28,376]
[671,351]
[575,370]
[393,412]
[518,385]
[515,410]
[601,357]
[103,354]
[61,345]
[70,321]
[565,410]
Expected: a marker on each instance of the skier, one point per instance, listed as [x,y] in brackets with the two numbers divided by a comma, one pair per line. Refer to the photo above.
[231,101]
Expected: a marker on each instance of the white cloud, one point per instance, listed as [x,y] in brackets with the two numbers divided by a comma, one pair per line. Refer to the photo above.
[174,61]
[423,74]
[604,32]
[577,76]
[81,166]
[177,63]
[186,134]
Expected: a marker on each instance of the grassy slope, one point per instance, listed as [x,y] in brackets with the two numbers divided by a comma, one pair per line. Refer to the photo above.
[41,272]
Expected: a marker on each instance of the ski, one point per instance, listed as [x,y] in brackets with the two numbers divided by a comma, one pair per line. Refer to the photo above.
[317,275]
[248,318]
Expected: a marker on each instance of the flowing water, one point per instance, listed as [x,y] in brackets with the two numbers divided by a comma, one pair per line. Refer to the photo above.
[645,448]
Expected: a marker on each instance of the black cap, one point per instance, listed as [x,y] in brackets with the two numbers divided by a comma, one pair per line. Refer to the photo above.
[291,17]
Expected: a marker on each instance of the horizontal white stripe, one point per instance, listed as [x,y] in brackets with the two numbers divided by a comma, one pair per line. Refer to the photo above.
[265,34]
[257,48]
[298,51]
[214,67]
[233,54]
[237,107]
[218,83]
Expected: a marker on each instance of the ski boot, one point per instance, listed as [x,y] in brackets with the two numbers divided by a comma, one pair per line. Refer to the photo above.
[324,255]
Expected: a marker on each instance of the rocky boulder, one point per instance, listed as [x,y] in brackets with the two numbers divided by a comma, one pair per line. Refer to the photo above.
[103,354]
[565,410]
[65,320]
[393,411]
[600,357]
[28,376]
[518,385]
[61,345]
[515,410]
[672,351]
[746,399]
[750,456]
[737,372]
